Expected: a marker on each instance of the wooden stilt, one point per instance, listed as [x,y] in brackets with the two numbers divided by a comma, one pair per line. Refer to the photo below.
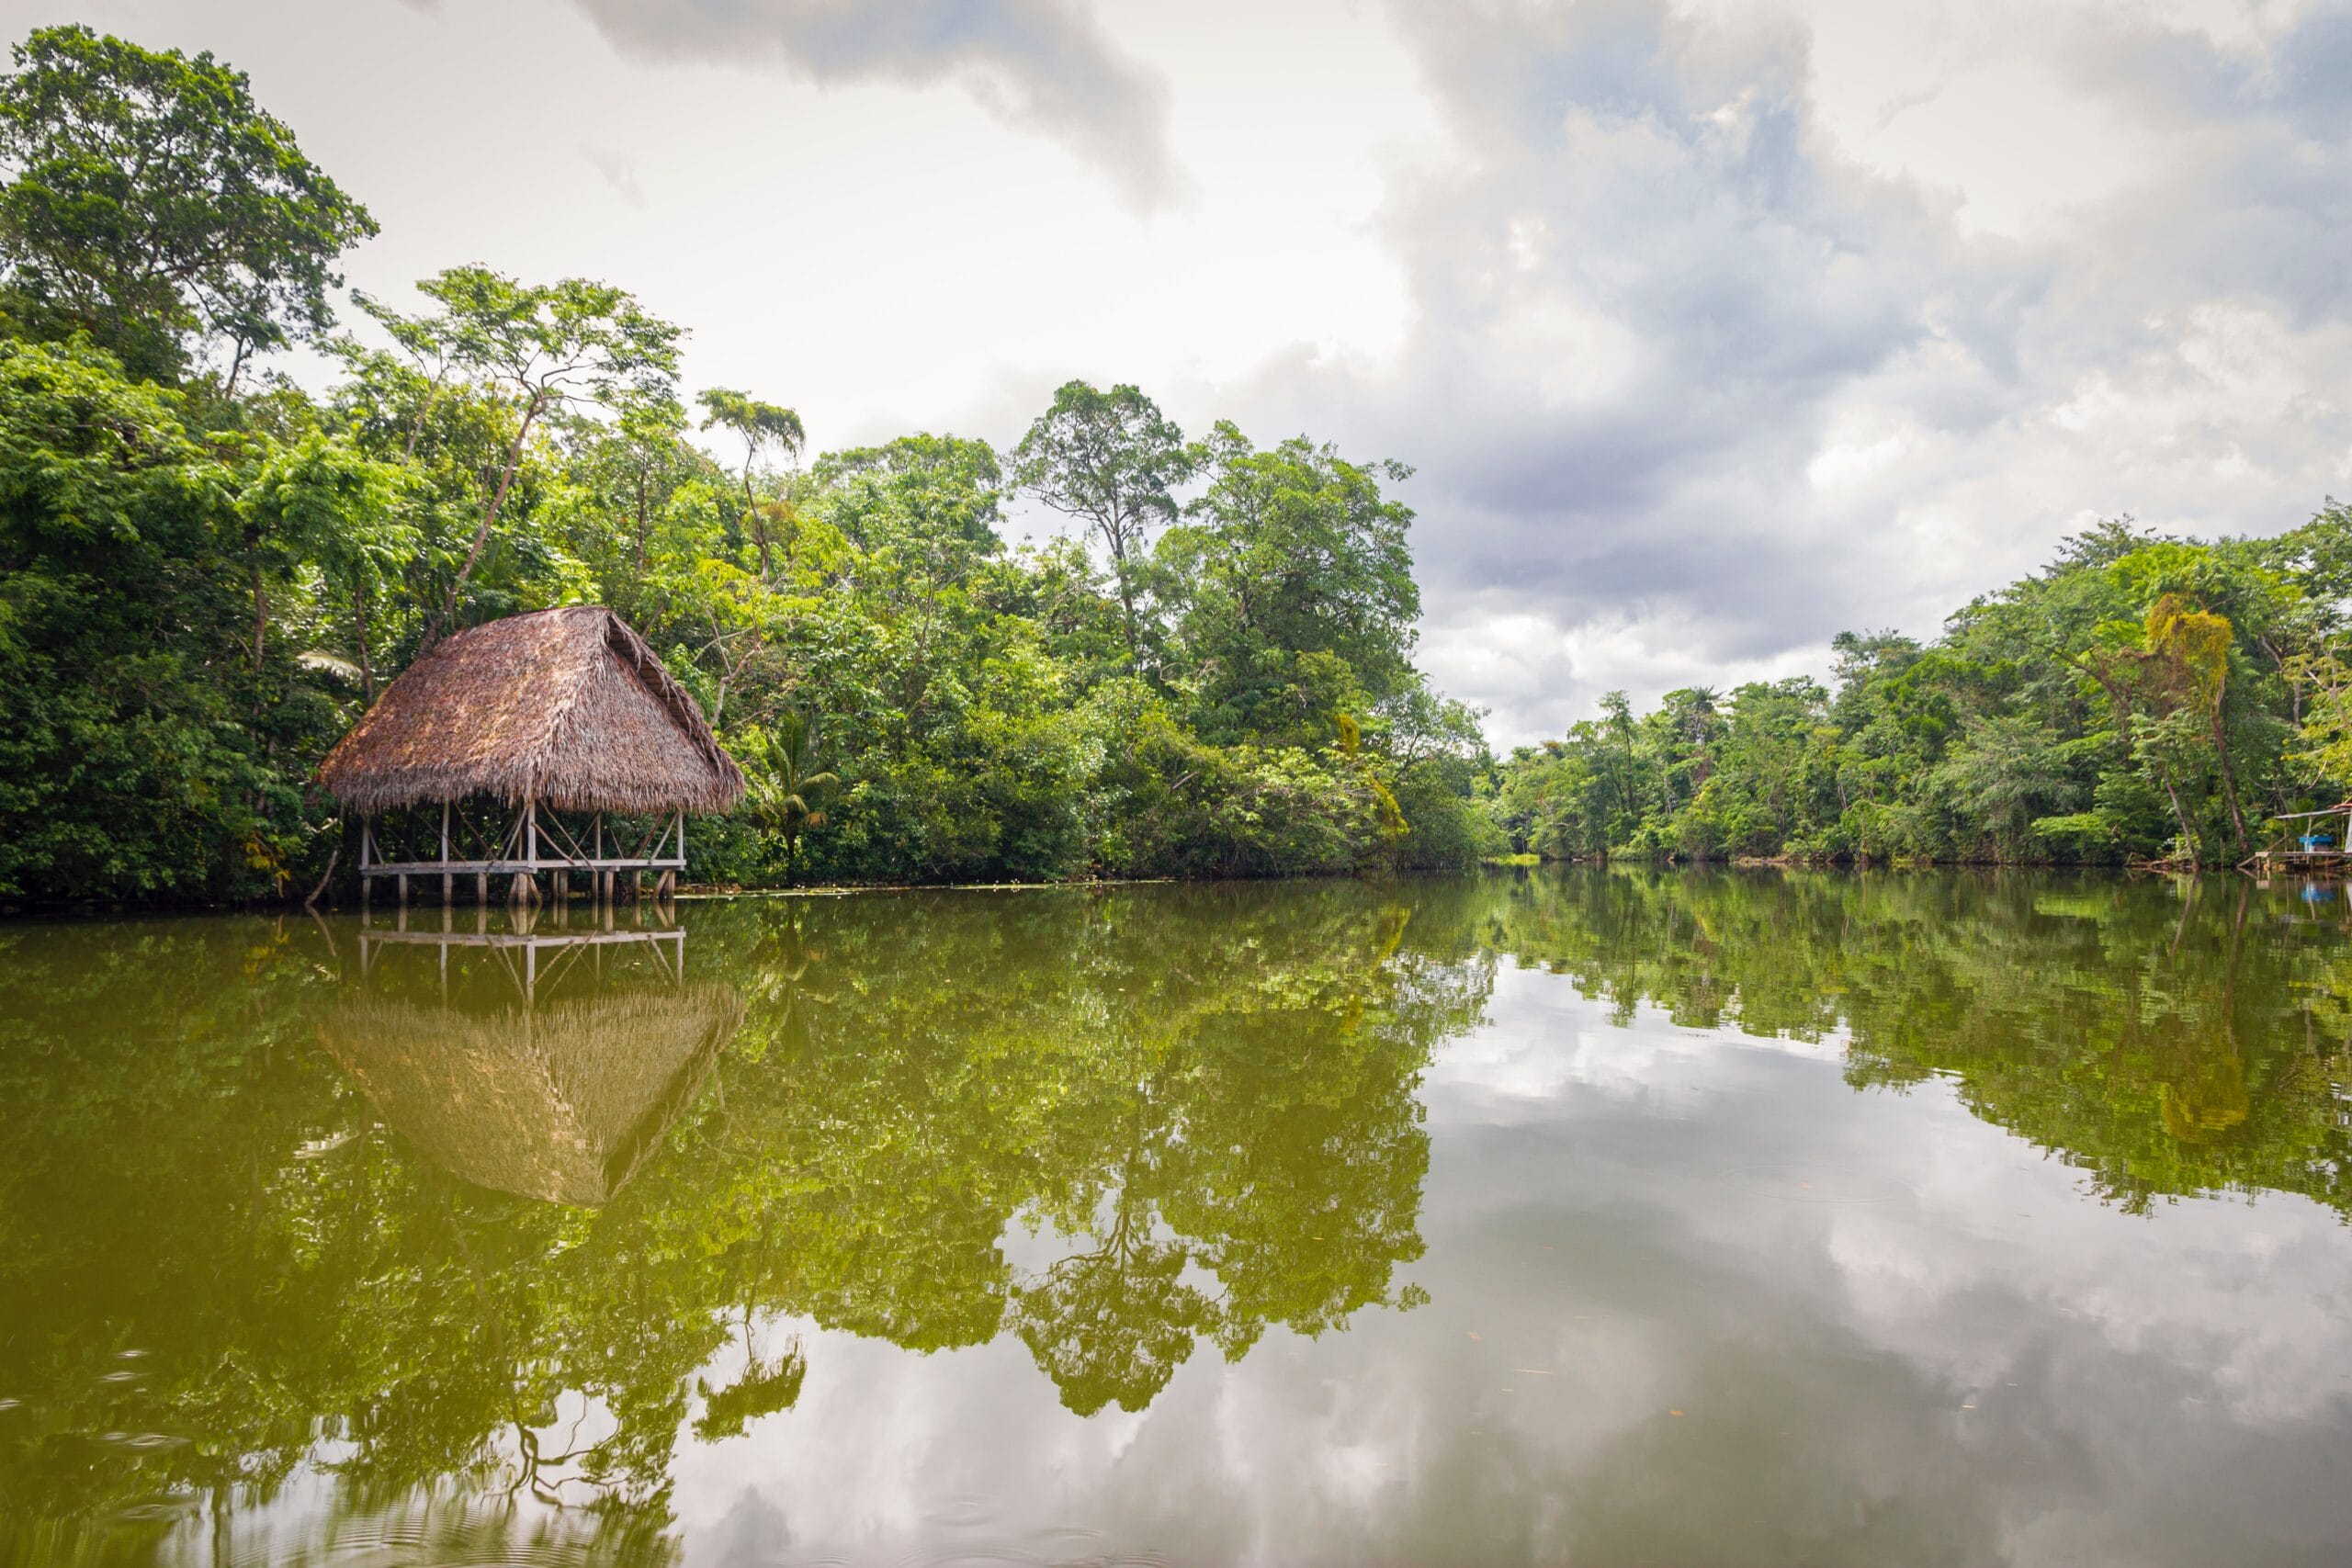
[481,888]
[404,881]
[449,882]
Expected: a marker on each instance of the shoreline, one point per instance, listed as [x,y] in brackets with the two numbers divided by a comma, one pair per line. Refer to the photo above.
[89,909]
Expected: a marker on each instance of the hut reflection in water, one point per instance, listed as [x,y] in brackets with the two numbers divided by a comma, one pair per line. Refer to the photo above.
[532,1058]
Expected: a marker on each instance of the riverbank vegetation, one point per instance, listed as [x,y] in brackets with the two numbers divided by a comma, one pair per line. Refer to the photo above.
[206,571]
[1203,666]
[2143,698]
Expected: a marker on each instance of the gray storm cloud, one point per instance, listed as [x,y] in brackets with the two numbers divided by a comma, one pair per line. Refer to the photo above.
[1689,378]
[1043,65]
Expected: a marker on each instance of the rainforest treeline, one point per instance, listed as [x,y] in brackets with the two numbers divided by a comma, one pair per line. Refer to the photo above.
[209,570]
[2142,699]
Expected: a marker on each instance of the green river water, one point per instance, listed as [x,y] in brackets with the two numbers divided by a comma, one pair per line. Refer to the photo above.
[1602,1217]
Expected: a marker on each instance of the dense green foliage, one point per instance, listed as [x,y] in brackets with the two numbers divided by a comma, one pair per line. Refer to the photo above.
[153,201]
[2143,698]
[207,573]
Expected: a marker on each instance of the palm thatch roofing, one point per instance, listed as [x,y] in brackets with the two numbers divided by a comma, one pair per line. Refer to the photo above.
[561,1101]
[567,707]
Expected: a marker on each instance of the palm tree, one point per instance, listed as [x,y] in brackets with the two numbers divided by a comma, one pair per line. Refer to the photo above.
[787,782]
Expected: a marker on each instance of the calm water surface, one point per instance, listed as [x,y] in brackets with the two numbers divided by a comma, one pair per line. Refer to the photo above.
[1596,1217]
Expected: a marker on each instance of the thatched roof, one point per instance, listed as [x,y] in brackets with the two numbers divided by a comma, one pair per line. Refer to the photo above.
[562,1101]
[567,707]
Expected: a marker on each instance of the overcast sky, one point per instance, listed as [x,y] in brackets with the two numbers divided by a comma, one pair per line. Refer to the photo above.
[1713,329]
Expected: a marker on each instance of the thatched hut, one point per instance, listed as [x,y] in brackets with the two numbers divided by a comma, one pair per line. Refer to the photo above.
[562,1100]
[507,727]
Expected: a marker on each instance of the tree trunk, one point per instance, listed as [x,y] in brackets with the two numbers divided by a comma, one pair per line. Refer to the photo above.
[641,522]
[335,855]
[367,663]
[756,523]
[2127,725]
[261,627]
[2229,779]
[1127,609]
[489,518]
[2187,833]
[1114,534]
[416,426]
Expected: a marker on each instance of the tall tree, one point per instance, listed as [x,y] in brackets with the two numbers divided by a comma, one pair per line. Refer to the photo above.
[154,199]
[923,510]
[762,427]
[1111,460]
[547,347]
[1298,586]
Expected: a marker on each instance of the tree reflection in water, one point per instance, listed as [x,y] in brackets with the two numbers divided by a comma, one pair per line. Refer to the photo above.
[2168,1036]
[1114,1127]
[1203,1099]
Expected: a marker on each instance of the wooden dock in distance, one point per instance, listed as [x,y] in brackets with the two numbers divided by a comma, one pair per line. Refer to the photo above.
[2304,851]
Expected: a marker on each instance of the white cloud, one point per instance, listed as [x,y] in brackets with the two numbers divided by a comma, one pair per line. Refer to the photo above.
[1871,305]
